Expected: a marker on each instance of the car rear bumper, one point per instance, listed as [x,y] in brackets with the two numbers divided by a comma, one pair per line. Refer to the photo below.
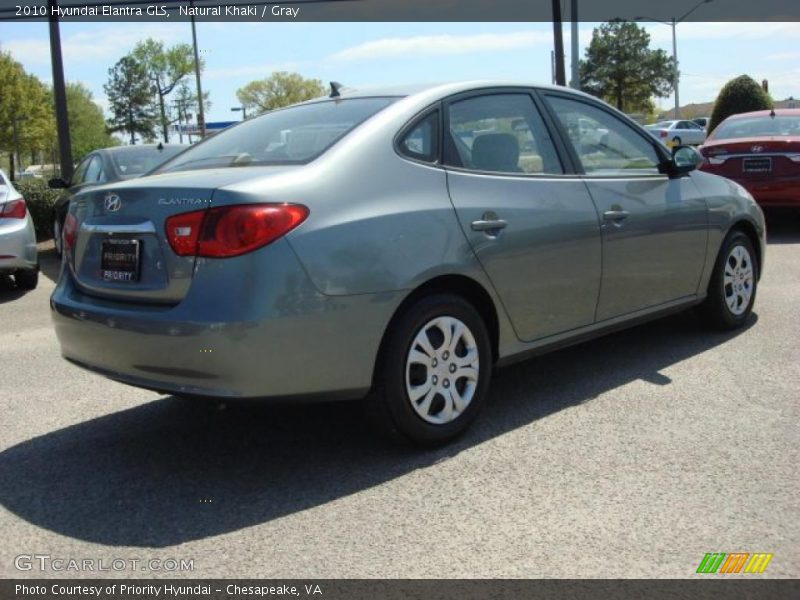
[230,339]
[17,245]
[775,192]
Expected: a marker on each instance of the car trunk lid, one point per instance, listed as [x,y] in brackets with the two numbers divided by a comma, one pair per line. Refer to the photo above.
[116,240]
[753,158]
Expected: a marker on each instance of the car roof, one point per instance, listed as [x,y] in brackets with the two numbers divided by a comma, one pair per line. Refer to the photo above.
[441,89]
[125,149]
[784,112]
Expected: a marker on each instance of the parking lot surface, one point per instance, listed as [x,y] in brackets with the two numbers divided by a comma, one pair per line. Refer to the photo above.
[629,456]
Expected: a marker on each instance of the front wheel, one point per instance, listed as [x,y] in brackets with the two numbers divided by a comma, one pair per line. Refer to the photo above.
[434,370]
[732,289]
[27,279]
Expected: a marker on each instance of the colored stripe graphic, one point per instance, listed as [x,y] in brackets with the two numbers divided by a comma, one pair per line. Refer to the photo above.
[758,563]
[723,563]
[734,562]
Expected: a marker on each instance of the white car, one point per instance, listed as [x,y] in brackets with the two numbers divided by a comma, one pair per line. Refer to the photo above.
[677,133]
[18,256]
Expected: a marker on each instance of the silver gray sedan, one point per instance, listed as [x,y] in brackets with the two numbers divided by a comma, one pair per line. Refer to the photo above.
[18,255]
[396,245]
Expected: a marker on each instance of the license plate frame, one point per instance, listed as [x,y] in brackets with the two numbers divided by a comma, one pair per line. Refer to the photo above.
[120,260]
[757,165]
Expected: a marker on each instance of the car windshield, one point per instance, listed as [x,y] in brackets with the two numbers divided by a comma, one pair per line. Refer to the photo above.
[779,125]
[294,135]
[133,162]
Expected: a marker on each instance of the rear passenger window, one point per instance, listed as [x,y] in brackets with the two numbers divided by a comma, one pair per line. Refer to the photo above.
[422,140]
[500,133]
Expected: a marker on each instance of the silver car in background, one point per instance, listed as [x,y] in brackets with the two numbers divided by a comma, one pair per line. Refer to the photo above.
[18,256]
[396,245]
[677,133]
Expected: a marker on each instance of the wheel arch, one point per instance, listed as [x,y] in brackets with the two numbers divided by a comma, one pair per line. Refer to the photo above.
[749,229]
[460,285]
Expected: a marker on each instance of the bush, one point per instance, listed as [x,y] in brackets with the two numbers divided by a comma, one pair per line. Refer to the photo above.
[739,95]
[40,200]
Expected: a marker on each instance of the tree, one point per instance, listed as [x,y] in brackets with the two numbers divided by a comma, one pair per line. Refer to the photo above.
[165,68]
[128,91]
[621,69]
[24,102]
[186,103]
[739,95]
[277,90]
[87,127]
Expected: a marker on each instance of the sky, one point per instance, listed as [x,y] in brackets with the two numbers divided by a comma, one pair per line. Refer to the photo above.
[368,54]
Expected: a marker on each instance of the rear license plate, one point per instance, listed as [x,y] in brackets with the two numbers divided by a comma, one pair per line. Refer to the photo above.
[757,165]
[120,260]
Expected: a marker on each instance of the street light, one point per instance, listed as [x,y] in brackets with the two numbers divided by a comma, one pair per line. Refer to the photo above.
[673,23]
[241,109]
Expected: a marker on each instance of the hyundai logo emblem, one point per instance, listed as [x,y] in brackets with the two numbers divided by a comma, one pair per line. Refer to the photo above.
[113,202]
[757,149]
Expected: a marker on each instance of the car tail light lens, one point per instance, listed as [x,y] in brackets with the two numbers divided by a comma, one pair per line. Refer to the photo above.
[232,230]
[15,209]
[662,133]
[70,230]
[183,231]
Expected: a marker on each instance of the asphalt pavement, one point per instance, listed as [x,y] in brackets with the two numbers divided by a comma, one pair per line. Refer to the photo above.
[629,456]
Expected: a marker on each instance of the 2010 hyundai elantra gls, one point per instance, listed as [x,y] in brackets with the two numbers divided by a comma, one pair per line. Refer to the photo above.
[397,245]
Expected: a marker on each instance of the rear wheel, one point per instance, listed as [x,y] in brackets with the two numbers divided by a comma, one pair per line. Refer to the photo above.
[434,370]
[732,289]
[27,279]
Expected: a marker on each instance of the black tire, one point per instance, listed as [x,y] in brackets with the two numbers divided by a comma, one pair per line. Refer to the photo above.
[715,310]
[390,405]
[677,141]
[27,279]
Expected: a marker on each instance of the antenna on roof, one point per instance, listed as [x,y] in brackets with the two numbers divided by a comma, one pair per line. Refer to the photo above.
[335,87]
[160,146]
[772,113]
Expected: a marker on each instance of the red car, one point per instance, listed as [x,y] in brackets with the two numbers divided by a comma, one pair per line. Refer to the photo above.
[761,151]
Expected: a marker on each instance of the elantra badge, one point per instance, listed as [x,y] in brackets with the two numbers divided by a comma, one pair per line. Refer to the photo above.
[112,202]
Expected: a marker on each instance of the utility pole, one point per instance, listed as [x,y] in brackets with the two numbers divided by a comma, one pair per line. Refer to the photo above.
[558,39]
[573,16]
[60,93]
[201,119]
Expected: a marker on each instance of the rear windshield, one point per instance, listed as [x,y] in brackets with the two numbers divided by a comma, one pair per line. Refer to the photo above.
[132,162]
[779,125]
[294,135]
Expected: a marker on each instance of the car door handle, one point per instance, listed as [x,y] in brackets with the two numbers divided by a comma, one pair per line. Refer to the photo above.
[488,225]
[615,215]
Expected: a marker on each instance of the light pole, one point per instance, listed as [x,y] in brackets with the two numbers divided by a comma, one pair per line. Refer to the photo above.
[242,109]
[675,73]
[201,119]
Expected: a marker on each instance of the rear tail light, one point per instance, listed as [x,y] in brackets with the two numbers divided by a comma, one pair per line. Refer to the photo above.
[662,133]
[15,209]
[69,231]
[231,230]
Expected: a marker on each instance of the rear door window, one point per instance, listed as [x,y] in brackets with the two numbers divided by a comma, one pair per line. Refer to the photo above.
[500,133]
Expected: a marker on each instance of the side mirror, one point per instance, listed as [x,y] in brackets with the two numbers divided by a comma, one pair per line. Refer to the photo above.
[684,160]
[57,183]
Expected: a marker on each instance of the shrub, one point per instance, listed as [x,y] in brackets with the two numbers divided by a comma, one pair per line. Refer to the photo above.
[40,200]
[739,95]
